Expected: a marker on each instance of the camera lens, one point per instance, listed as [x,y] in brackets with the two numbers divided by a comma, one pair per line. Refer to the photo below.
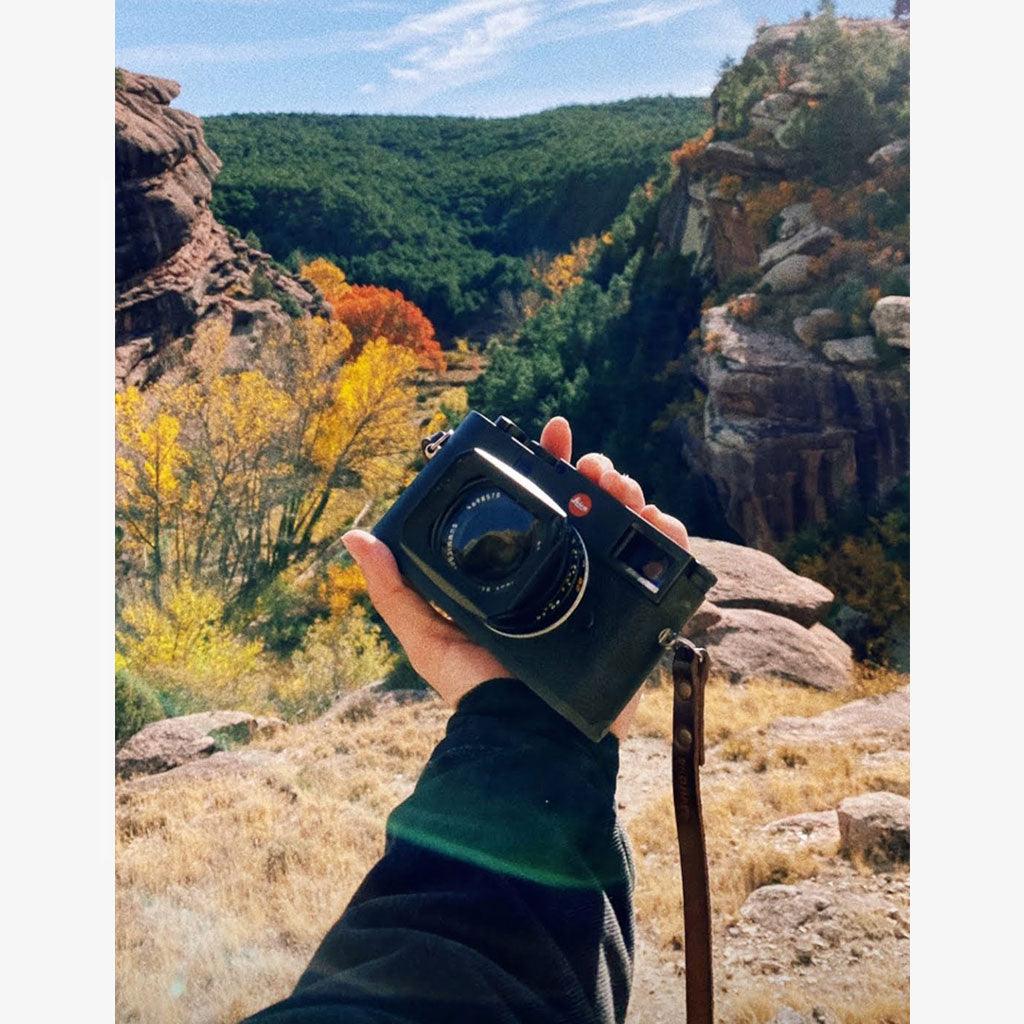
[488,537]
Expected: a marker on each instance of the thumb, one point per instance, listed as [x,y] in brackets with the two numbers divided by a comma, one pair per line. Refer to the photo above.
[399,606]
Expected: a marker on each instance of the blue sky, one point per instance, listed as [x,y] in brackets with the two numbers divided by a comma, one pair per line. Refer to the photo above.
[483,57]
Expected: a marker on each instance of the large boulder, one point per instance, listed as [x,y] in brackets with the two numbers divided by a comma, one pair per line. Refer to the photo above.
[818,325]
[806,89]
[817,830]
[794,218]
[891,320]
[892,153]
[749,644]
[811,240]
[729,158]
[859,351]
[874,721]
[792,274]
[875,827]
[748,578]
[771,112]
[161,746]
[812,929]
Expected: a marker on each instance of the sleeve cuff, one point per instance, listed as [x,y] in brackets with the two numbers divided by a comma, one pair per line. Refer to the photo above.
[515,788]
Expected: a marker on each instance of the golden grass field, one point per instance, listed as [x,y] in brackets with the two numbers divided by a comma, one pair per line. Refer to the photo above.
[227,879]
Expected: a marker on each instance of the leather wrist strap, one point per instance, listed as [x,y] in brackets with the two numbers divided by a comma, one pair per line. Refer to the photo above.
[690,666]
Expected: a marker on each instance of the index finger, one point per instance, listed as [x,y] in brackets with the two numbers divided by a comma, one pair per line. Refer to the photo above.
[556,437]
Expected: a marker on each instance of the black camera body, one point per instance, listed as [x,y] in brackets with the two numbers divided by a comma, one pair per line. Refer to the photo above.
[567,587]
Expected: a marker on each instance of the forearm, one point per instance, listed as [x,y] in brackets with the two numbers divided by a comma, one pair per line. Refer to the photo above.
[504,894]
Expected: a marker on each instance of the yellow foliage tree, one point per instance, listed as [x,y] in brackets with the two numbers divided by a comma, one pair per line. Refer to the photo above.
[566,270]
[225,479]
[148,460]
[327,277]
[344,586]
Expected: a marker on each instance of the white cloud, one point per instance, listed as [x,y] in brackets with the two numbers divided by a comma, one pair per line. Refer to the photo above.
[463,55]
[368,88]
[406,74]
[657,13]
[449,45]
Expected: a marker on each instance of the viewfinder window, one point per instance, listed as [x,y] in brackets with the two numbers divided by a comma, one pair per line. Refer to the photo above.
[646,561]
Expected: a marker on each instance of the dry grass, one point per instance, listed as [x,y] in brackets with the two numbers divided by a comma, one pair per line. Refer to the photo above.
[225,885]
[741,857]
[785,779]
[731,710]
[882,998]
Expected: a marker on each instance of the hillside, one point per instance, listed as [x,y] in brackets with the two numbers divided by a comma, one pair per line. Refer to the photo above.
[740,338]
[445,209]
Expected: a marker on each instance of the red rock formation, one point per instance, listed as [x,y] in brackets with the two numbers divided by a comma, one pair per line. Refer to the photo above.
[175,266]
[797,420]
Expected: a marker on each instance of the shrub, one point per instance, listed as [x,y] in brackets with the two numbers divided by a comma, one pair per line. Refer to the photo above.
[865,79]
[729,186]
[261,286]
[855,300]
[185,648]
[288,304]
[863,556]
[739,89]
[688,152]
[863,577]
[764,205]
[745,307]
[283,612]
[135,705]
[338,655]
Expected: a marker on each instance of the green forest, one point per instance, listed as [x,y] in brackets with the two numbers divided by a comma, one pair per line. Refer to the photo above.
[448,210]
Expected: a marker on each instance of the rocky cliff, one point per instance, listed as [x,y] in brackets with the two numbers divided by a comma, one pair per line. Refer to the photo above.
[795,209]
[175,266]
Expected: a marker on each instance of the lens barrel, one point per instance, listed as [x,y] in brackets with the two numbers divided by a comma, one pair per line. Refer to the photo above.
[488,537]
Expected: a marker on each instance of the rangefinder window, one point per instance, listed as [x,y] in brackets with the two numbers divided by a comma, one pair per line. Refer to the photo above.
[487,535]
[645,561]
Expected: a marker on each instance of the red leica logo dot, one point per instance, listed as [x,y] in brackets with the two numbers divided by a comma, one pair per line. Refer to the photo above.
[579,504]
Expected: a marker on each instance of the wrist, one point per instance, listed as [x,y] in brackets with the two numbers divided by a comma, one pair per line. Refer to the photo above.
[469,674]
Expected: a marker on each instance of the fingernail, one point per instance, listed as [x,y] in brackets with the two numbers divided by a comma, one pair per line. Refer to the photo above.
[345,539]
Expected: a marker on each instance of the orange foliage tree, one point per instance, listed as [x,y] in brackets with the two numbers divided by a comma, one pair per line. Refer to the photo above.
[371,312]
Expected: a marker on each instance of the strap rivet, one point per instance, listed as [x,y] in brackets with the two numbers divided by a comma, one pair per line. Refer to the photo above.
[684,689]
[684,739]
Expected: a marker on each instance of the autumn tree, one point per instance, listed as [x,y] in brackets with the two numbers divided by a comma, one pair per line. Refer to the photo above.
[327,277]
[371,312]
[566,270]
[228,479]
[148,461]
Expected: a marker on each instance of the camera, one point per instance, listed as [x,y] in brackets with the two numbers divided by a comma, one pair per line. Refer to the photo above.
[570,590]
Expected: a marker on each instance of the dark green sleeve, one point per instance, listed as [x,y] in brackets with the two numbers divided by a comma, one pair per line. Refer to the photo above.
[505,891]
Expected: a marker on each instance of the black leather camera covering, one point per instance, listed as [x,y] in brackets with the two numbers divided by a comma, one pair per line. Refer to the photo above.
[639,582]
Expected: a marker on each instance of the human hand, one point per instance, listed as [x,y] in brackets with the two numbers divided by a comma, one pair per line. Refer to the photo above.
[437,649]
